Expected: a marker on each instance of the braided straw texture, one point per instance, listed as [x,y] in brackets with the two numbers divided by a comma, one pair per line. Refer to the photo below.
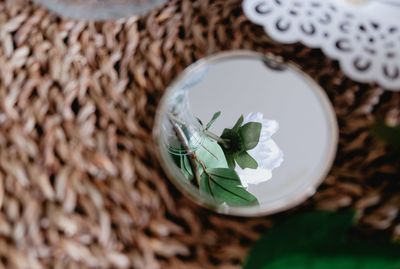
[80,184]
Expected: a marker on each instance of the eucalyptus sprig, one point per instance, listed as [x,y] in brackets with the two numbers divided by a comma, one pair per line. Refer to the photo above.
[207,167]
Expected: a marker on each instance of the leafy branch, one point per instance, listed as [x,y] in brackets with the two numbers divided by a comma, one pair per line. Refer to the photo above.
[207,167]
[237,141]
[242,138]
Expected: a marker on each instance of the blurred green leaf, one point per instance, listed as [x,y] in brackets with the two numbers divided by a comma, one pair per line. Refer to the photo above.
[250,133]
[238,123]
[234,140]
[211,154]
[391,135]
[230,158]
[186,168]
[240,139]
[224,185]
[244,160]
[213,119]
[182,161]
[319,240]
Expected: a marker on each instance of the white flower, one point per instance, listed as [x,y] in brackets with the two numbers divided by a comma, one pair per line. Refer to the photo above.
[266,153]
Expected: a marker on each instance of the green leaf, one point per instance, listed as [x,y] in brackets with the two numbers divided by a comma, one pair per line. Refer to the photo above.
[238,123]
[244,160]
[211,154]
[186,167]
[182,161]
[391,135]
[224,185]
[176,159]
[213,119]
[250,133]
[319,240]
[312,229]
[226,133]
[205,186]
[230,158]
[351,256]
[234,140]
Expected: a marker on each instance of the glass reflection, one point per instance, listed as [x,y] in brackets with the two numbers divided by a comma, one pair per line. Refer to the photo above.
[245,134]
[220,165]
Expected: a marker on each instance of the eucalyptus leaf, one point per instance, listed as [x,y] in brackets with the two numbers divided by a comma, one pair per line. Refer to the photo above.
[223,184]
[319,240]
[250,133]
[213,119]
[244,160]
[391,135]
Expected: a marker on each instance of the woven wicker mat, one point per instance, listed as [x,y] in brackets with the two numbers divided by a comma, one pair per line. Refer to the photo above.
[80,186]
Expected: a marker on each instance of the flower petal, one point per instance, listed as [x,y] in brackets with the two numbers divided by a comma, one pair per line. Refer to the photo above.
[254,176]
[269,127]
[254,116]
[267,154]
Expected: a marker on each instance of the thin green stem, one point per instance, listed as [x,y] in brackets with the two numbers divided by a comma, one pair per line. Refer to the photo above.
[215,137]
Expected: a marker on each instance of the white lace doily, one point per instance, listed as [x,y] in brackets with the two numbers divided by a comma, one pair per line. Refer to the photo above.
[364,38]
